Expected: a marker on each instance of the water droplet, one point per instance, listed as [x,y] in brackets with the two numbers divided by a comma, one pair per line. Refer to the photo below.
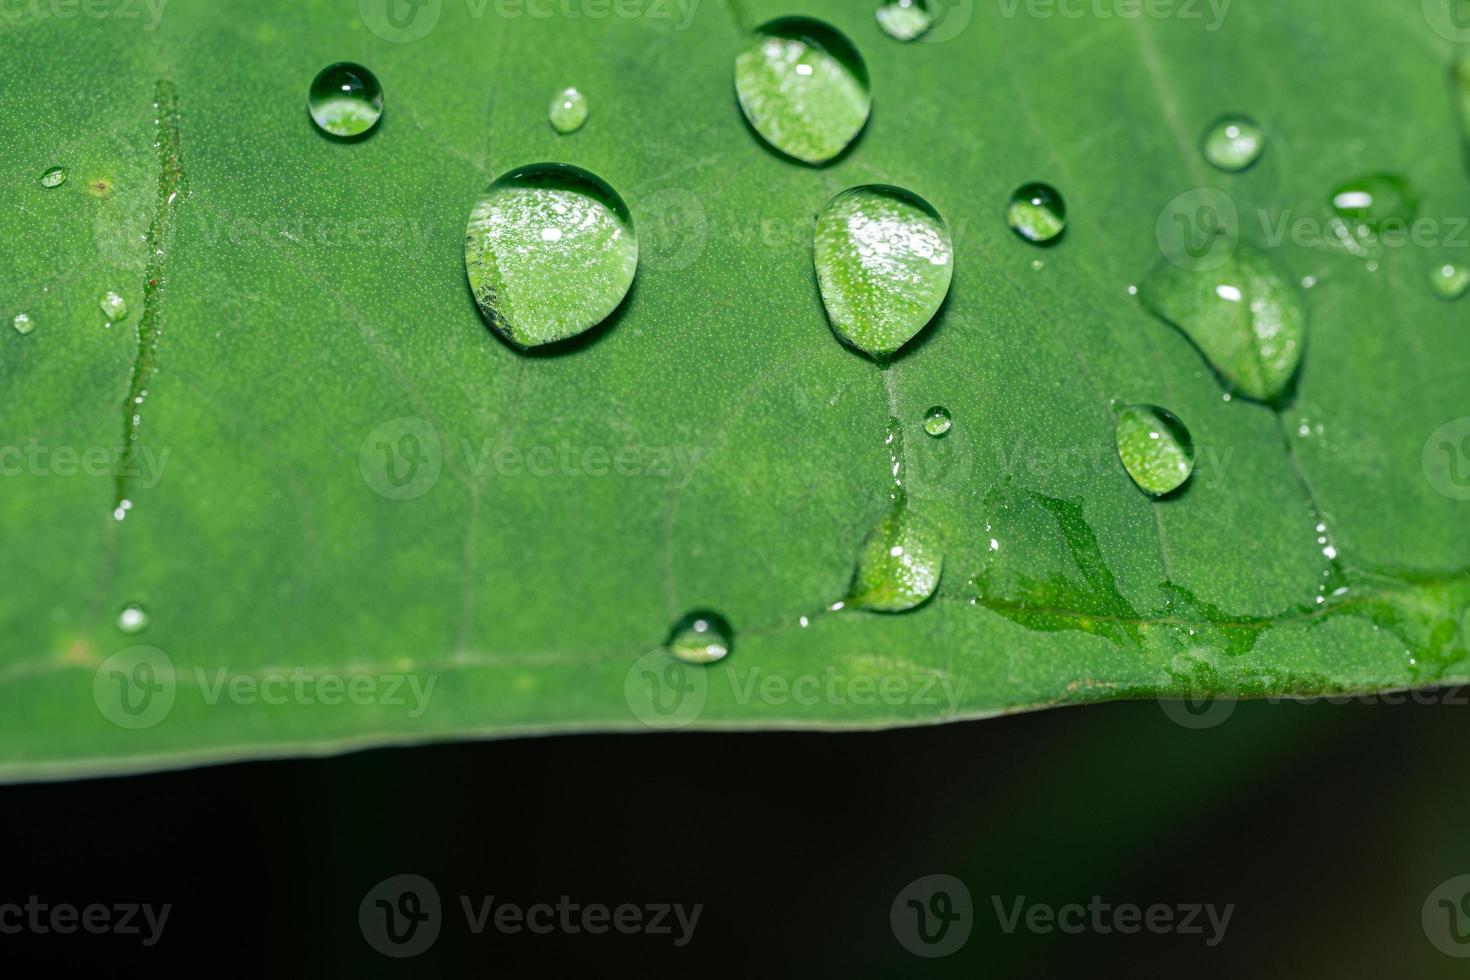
[937,421]
[551,252]
[1037,213]
[1245,317]
[23,324]
[1450,280]
[905,20]
[568,111]
[900,563]
[1373,201]
[702,637]
[1155,447]
[133,619]
[1233,143]
[884,263]
[54,177]
[114,306]
[345,100]
[803,87]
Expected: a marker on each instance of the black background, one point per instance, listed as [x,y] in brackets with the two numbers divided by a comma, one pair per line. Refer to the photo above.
[1326,826]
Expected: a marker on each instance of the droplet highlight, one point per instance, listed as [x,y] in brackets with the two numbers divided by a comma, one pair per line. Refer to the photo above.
[938,421]
[1245,316]
[1376,200]
[1155,447]
[54,177]
[133,619]
[568,111]
[803,87]
[550,252]
[905,20]
[23,324]
[345,101]
[899,564]
[1037,213]
[702,637]
[1233,143]
[884,262]
[113,306]
[1450,280]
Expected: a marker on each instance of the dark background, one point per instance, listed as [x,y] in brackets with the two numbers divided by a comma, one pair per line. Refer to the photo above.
[1327,826]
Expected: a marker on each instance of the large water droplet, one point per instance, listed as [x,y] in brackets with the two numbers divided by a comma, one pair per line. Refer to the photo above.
[550,252]
[1450,280]
[1245,316]
[884,263]
[1037,213]
[54,177]
[114,306]
[568,111]
[1375,200]
[905,19]
[900,563]
[23,324]
[937,421]
[345,100]
[1233,143]
[133,619]
[1155,447]
[702,637]
[803,87]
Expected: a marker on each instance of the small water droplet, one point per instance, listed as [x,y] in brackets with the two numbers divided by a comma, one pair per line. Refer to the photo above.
[702,637]
[900,563]
[23,324]
[905,20]
[1037,213]
[937,421]
[803,87]
[345,100]
[550,252]
[1373,201]
[568,111]
[133,619]
[1156,448]
[1450,280]
[1038,264]
[1233,143]
[884,263]
[113,306]
[54,177]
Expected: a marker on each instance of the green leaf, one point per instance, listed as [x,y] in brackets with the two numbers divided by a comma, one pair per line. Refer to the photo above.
[354,515]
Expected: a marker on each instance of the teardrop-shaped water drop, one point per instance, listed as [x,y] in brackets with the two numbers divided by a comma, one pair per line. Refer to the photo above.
[702,637]
[905,19]
[345,100]
[1375,200]
[1233,143]
[114,306]
[23,324]
[1155,447]
[551,252]
[803,87]
[884,264]
[568,111]
[900,563]
[1450,280]
[54,177]
[938,421]
[133,619]
[1245,316]
[1037,213]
